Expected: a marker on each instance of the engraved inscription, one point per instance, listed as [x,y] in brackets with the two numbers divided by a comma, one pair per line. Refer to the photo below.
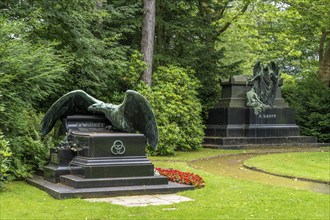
[90,125]
[92,129]
[267,116]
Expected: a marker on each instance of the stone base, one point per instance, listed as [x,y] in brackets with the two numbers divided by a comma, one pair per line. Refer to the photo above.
[53,172]
[236,128]
[103,167]
[62,191]
[79,182]
[253,142]
[233,125]
[242,122]
[105,164]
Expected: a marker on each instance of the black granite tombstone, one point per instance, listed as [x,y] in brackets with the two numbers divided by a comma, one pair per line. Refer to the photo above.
[233,125]
[95,161]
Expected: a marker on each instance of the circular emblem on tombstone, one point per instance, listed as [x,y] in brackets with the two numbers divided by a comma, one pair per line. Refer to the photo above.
[118,148]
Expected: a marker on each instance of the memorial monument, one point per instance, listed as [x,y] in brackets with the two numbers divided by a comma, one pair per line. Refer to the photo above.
[101,154]
[251,112]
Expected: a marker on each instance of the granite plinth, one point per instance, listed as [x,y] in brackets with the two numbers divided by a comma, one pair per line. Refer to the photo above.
[239,127]
[253,142]
[112,144]
[98,162]
[62,191]
[242,122]
[233,125]
[80,182]
[103,155]
[59,164]
[102,167]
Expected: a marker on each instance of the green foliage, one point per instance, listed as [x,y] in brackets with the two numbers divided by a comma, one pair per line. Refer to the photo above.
[48,48]
[88,38]
[28,155]
[286,31]
[173,97]
[5,155]
[186,36]
[29,152]
[187,39]
[28,73]
[310,98]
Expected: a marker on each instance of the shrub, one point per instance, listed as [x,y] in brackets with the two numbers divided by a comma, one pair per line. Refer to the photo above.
[173,98]
[29,151]
[311,100]
[5,155]
[29,73]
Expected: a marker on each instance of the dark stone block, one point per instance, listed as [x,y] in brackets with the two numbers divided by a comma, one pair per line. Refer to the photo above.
[103,167]
[61,191]
[59,165]
[248,142]
[79,182]
[109,144]
[52,172]
[104,163]
[61,156]
[242,122]
[86,123]
[271,116]
[231,123]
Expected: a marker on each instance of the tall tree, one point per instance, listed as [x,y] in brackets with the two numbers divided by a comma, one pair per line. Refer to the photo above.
[295,33]
[324,57]
[148,35]
[187,35]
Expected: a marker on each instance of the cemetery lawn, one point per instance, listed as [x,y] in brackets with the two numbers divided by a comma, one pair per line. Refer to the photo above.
[222,198]
[310,165]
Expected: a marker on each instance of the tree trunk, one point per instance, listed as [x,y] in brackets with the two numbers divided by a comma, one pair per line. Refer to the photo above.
[148,36]
[324,54]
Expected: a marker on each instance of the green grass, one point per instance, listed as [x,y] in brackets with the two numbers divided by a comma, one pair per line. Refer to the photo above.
[310,165]
[222,198]
[193,155]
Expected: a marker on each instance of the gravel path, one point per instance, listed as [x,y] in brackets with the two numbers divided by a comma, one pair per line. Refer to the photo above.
[232,166]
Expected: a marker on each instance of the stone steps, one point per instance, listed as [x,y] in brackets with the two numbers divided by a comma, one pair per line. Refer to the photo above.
[61,191]
[80,182]
[228,142]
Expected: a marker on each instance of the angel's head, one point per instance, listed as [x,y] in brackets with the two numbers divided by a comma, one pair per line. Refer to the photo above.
[97,107]
[101,107]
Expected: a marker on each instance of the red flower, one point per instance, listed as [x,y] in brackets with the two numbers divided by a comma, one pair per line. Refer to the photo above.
[182,177]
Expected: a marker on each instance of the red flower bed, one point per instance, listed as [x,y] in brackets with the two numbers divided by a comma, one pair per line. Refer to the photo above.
[182,177]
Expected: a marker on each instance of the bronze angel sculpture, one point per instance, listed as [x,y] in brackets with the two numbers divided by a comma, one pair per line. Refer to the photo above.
[133,114]
[265,83]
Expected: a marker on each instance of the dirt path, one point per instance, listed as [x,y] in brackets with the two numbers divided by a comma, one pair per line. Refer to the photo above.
[232,165]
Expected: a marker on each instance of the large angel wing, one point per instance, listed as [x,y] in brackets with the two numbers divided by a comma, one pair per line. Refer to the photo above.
[275,69]
[138,115]
[257,68]
[275,75]
[74,102]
